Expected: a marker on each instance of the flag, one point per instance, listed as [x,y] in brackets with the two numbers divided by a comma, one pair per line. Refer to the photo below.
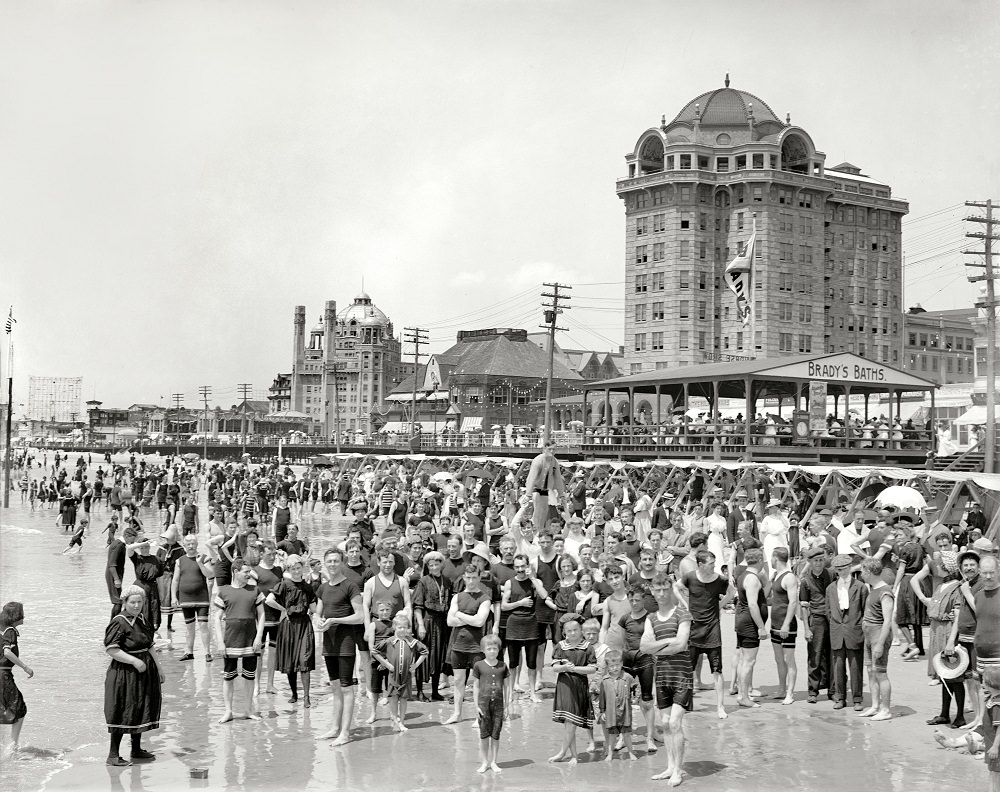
[739,278]
[11,321]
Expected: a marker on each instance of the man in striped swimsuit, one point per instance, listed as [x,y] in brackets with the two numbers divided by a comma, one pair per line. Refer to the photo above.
[665,636]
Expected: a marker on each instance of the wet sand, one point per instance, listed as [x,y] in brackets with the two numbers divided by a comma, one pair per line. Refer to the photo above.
[799,747]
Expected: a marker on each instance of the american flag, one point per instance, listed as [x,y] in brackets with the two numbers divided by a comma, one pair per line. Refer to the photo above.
[11,321]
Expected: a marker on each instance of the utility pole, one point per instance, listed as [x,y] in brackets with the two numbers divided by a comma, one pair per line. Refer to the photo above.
[204,391]
[245,388]
[415,336]
[178,399]
[552,311]
[989,305]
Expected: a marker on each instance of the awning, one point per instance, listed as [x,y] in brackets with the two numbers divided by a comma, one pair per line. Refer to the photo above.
[472,424]
[403,427]
[974,416]
[399,397]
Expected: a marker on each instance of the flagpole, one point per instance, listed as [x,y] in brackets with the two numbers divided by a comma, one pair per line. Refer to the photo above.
[10,404]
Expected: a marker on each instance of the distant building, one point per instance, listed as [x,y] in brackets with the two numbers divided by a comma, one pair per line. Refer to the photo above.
[940,345]
[827,266]
[488,377]
[345,367]
[589,364]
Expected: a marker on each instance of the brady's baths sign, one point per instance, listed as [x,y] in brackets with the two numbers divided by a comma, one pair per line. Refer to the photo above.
[848,369]
[821,370]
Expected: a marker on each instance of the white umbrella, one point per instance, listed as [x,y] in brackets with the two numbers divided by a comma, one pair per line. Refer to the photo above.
[444,475]
[901,498]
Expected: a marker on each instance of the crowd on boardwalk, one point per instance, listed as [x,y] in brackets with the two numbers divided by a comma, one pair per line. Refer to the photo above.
[443,584]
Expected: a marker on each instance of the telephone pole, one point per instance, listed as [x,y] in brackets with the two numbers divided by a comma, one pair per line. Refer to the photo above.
[178,399]
[989,306]
[415,336]
[552,311]
[204,391]
[244,389]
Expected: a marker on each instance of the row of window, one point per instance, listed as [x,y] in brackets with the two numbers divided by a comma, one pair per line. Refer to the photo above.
[871,269]
[953,364]
[657,222]
[655,341]
[859,296]
[644,198]
[852,322]
[933,340]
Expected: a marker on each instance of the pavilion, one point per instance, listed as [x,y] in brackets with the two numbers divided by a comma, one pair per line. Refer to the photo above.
[823,396]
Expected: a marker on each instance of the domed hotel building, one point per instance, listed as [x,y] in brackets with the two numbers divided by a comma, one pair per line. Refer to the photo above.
[827,268]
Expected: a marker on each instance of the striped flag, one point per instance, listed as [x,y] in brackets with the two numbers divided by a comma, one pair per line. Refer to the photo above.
[739,278]
[11,321]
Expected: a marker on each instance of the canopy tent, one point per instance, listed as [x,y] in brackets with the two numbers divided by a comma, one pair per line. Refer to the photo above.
[974,416]
[471,424]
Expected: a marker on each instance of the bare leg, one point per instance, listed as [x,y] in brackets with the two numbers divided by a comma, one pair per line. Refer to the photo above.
[885,697]
[649,715]
[668,739]
[305,689]
[720,696]
[338,708]
[974,695]
[248,713]
[791,672]
[494,750]
[458,692]
[227,698]
[779,660]
[346,717]
[748,657]
[484,756]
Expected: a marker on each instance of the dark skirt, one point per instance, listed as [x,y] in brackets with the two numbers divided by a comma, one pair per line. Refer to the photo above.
[151,610]
[296,645]
[436,642]
[132,699]
[572,702]
[11,701]
[909,609]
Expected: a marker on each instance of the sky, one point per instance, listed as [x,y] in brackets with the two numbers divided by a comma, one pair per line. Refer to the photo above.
[176,177]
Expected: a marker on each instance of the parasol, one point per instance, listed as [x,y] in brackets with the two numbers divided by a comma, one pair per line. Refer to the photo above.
[901,498]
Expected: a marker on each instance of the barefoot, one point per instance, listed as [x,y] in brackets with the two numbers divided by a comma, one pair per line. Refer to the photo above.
[536,698]
[343,739]
[882,715]
[609,756]
[755,693]
[721,712]
[974,725]
[788,700]
[948,742]
[482,768]
[868,712]
[453,719]
[631,756]
[226,717]
[557,757]
[651,747]
[330,735]
[668,773]
[371,718]
[401,726]
[674,780]
[271,691]
[252,716]
[495,767]
[572,761]
[748,704]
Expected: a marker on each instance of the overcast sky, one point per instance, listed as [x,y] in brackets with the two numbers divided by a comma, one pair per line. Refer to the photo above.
[176,177]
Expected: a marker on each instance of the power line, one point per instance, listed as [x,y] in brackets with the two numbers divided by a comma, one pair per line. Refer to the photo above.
[552,311]
[416,336]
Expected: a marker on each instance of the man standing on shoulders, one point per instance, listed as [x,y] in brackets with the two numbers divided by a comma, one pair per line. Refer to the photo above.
[815,621]
[845,602]
[544,477]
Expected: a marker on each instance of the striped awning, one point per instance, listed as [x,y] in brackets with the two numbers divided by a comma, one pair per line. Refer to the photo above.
[472,424]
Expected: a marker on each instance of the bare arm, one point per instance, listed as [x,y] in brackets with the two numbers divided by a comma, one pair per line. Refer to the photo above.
[791,586]
[753,585]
